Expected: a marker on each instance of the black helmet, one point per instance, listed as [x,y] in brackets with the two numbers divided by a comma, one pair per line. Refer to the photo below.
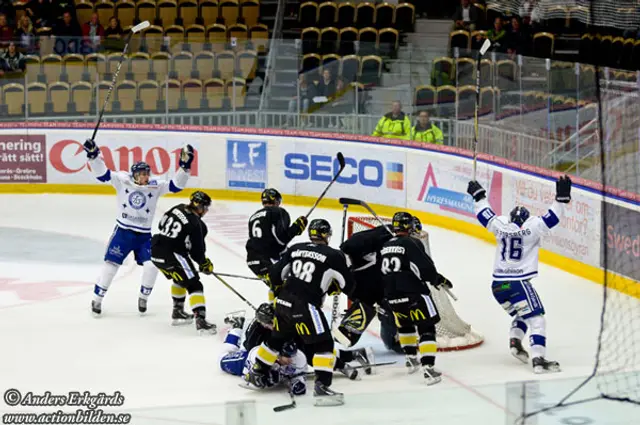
[265,314]
[200,199]
[402,222]
[271,196]
[519,215]
[289,349]
[417,224]
[320,230]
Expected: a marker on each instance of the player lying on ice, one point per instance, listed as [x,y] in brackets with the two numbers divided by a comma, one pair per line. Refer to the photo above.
[238,358]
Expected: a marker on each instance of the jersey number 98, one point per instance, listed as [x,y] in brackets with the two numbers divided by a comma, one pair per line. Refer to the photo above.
[303,270]
[511,249]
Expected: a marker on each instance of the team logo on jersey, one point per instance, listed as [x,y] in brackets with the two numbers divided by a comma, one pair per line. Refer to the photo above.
[137,200]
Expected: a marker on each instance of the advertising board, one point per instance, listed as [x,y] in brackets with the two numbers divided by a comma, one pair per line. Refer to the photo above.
[23,158]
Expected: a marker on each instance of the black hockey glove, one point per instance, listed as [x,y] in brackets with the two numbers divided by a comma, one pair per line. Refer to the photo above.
[563,189]
[476,191]
[186,157]
[443,281]
[206,267]
[300,224]
[91,149]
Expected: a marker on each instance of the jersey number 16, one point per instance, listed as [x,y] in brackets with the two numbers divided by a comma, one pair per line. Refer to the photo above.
[511,249]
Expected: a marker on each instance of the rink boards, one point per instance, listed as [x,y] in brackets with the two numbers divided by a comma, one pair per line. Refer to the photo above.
[238,163]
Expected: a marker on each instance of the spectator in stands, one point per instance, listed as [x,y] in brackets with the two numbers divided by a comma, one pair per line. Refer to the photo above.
[114,28]
[306,94]
[531,14]
[345,100]
[465,17]
[516,40]
[426,131]
[325,91]
[39,11]
[394,125]
[8,9]
[497,35]
[93,29]
[68,27]
[6,32]
[59,7]
[25,34]
[13,60]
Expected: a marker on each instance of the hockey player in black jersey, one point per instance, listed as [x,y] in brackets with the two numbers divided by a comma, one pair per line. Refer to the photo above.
[270,231]
[181,239]
[363,250]
[312,269]
[407,271]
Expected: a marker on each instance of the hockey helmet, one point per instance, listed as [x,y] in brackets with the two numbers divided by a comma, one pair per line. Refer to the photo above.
[200,202]
[271,196]
[519,215]
[402,222]
[289,349]
[320,230]
[139,167]
[265,314]
[417,224]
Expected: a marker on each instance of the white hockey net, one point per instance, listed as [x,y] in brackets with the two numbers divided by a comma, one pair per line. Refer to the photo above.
[453,333]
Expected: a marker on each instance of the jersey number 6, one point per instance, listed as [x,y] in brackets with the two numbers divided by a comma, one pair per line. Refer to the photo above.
[303,271]
[256,231]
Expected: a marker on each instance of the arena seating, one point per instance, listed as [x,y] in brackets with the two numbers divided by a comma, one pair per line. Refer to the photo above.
[197,56]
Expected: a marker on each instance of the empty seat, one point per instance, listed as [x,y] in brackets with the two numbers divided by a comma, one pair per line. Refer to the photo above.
[237,35]
[127,94]
[196,38]
[52,68]
[14,99]
[310,40]
[229,11]
[459,39]
[247,64]
[126,13]
[405,19]
[33,67]
[81,97]
[188,13]
[446,100]
[102,88]
[171,94]
[159,66]
[348,37]
[214,92]
[148,95]
[205,63]
[176,37]
[308,15]
[442,72]
[329,40]
[235,90]
[370,70]
[385,15]
[466,102]
[209,12]
[36,98]
[96,65]
[365,13]
[250,12]
[368,38]
[486,100]
[139,66]
[112,64]
[350,66]
[225,64]
[146,11]
[311,63]
[543,45]
[346,15]
[192,94]
[167,12]
[105,10]
[388,42]
[84,12]
[217,36]
[259,35]
[465,71]
[327,14]
[74,68]
[425,97]
[182,65]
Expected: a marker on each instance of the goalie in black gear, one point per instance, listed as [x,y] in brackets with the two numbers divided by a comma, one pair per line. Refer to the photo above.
[180,239]
[311,270]
[363,249]
[407,271]
[270,231]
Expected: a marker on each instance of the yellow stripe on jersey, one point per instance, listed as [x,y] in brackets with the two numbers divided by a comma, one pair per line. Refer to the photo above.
[266,355]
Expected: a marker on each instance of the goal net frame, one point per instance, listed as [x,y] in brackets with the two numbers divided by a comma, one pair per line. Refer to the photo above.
[452,333]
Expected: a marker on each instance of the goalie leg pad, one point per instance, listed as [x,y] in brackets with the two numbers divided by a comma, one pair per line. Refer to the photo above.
[355,320]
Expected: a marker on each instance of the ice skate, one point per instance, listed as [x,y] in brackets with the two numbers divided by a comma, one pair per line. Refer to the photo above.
[412,364]
[349,372]
[365,357]
[179,317]
[142,305]
[541,365]
[205,328]
[518,351]
[325,396]
[96,309]
[431,375]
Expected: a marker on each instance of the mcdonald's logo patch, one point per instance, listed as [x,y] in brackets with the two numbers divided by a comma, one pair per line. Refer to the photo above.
[302,329]
[416,314]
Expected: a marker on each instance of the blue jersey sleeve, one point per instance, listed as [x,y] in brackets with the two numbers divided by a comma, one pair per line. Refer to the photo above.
[233,363]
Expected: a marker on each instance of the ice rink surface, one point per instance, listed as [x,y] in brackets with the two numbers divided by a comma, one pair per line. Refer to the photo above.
[51,249]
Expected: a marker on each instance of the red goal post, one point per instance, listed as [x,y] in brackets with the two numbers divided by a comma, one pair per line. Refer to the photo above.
[452,333]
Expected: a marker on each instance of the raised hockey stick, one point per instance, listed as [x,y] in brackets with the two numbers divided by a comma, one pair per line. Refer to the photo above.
[352,201]
[232,289]
[340,159]
[336,298]
[239,276]
[476,126]
[136,29]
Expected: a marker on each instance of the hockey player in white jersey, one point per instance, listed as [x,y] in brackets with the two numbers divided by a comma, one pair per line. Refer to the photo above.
[516,262]
[137,196]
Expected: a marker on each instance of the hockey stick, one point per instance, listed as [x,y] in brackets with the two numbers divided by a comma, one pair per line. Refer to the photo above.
[216,275]
[336,298]
[360,366]
[340,159]
[291,405]
[351,201]
[136,29]
[239,276]
[476,126]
